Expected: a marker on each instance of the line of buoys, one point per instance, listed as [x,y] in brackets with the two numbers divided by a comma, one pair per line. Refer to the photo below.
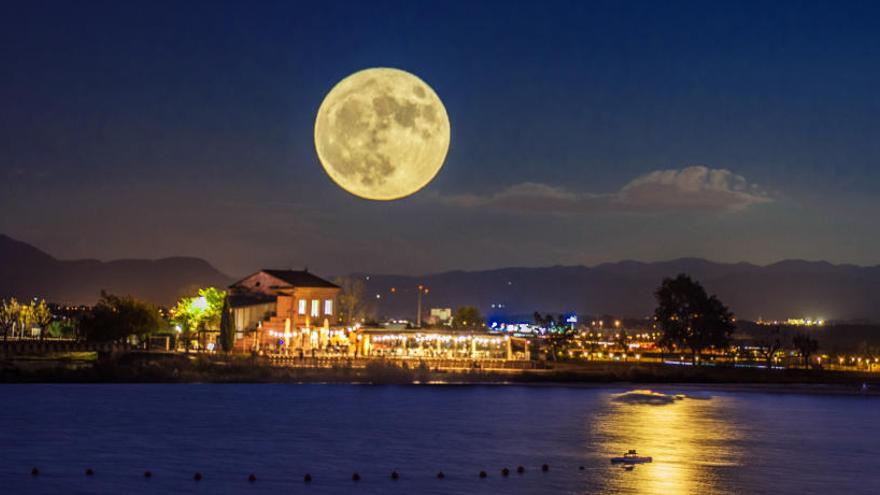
[395,475]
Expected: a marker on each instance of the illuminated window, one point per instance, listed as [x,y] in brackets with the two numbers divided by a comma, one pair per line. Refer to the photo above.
[328,306]
[316,307]
[302,306]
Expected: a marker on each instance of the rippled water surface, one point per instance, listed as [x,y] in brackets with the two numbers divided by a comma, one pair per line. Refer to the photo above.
[714,442]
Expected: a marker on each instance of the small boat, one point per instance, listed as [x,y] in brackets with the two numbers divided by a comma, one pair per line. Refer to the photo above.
[631,457]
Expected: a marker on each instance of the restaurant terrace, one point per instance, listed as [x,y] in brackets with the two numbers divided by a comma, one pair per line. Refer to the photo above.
[439,343]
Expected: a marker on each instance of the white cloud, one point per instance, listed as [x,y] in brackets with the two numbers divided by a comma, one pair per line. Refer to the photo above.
[695,188]
[691,188]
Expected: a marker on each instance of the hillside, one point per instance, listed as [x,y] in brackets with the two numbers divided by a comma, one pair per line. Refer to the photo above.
[792,288]
[27,272]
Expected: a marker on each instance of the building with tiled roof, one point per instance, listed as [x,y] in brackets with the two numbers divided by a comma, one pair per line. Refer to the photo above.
[289,310]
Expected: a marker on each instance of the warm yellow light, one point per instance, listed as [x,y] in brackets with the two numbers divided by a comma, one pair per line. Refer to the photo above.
[200,303]
[382,157]
[674,434]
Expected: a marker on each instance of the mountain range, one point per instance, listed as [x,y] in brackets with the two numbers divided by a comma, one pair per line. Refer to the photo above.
[787,289]
[26,272]
[792,288]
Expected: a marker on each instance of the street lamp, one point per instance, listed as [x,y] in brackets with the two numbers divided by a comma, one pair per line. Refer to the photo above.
[422,290]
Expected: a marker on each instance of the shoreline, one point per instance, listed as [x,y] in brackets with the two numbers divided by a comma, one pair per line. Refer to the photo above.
[200,369]
[670,388]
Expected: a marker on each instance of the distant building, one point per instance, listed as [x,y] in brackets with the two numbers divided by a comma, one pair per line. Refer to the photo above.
[287,310]
[440,316]
[793,322]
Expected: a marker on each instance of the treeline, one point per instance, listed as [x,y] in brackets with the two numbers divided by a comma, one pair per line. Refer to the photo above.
[832,338]
[18,319]
[688,320]
[118,318]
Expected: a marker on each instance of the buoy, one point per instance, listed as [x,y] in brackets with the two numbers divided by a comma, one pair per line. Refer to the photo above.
[483,474]
[545,467]
[520,469]
[307,478]
[148,474]
[581,468]
[395,475]
[252,477]
[505,472]
[35,472]
[440,475]
[355,477]
[89,472]
[197,476]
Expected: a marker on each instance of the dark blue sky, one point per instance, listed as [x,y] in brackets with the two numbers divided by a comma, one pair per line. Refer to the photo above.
[147,129]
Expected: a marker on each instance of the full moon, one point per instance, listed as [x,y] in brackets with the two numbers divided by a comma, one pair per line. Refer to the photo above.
[382,134]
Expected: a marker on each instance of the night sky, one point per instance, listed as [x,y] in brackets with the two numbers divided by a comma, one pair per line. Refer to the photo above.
[582,132]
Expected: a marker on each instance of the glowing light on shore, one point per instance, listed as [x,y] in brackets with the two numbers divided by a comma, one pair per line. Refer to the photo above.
[685,438]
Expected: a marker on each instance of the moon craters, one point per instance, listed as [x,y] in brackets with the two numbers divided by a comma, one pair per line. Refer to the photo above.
[382,134]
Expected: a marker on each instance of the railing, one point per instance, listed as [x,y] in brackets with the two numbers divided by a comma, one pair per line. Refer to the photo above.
[431,363]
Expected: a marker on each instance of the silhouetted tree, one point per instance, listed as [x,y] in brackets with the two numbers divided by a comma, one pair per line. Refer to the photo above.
[622,343]
[227,328]
[770,344]
[353,307]
[690,318]
[467,318]
[539,319]
[806,346]
[114,318]
[558,335]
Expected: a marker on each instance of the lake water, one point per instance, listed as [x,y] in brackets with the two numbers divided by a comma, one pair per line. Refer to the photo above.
[718,442]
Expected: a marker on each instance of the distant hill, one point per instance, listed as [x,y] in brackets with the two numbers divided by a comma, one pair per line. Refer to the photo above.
[792,288]
[27,272]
